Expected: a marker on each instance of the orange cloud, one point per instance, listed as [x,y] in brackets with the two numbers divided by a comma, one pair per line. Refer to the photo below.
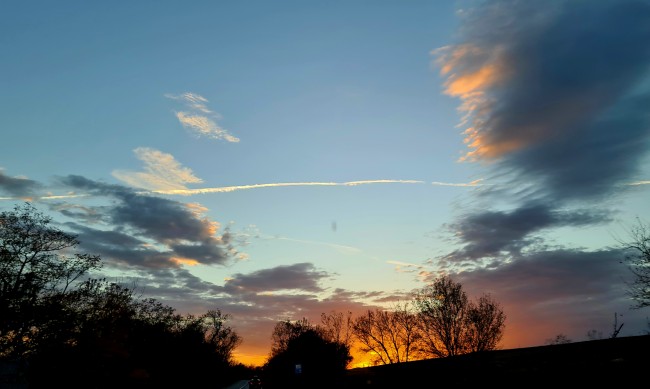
[484,148]
[464,84]
[471,72]
[185,261]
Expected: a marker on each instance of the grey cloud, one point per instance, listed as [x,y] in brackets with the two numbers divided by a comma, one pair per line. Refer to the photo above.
[204,252]
[595,160]
[18,187]
[575,290]
[169,223]
[94,187]
[557,96]
[165,220]
[553,275]
[300,276]
[159,218]
[494,233]
[566,107]
[348,295]
[101,237]
[121,250]
[89,215]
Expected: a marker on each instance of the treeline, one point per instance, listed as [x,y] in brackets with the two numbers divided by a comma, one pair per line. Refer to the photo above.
[439,322]
[59,328]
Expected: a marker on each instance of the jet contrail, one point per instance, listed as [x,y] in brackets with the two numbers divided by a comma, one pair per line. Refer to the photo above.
[637,183]
[224,189]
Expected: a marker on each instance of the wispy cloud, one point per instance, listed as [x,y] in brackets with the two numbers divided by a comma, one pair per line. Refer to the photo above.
[193,101]
[199,118]
[405,267]
[162,172]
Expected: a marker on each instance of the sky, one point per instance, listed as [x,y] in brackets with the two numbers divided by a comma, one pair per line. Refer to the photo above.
[282,159]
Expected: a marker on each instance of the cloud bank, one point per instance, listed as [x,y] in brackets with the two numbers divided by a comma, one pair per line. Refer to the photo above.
[554,91]
[556,107]
[553,105]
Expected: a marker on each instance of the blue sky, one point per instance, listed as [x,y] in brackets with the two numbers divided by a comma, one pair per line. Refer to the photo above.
[282,159]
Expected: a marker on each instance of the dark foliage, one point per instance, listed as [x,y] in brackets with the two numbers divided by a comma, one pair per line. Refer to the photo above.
[57,331]
[308,360]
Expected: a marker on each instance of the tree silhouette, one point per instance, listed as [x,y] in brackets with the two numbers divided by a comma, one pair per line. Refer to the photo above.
[638,259]
[38,264]
[452,325]
[390,335]
[307,359]
[66,331]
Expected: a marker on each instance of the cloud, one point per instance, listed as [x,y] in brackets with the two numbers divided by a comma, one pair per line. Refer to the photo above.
[549,91]
[405,267]
[554,107]
[504,234]
[300,276]
[174,232]
[199,119]
[192,100]
[162,172]
[20,187]
[566,291]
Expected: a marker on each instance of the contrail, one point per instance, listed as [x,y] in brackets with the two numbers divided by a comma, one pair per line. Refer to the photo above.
[224,189]
[47,197]
[473,183]
[637,183]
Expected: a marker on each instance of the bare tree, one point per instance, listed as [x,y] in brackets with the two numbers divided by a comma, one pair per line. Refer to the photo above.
[405,321]
[617,328]
[390,335]
[443,310]
[638,258]
[337,327]
[485,324]
[452,325]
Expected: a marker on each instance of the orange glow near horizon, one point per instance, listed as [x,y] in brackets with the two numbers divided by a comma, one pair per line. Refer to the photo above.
[359,359]
[254,360]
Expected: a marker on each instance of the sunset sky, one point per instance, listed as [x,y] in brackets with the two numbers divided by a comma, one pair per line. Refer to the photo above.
[280,159]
